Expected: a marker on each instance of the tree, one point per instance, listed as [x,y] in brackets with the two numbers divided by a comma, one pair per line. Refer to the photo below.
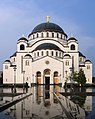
[75,76]
[81,77]
[1,78]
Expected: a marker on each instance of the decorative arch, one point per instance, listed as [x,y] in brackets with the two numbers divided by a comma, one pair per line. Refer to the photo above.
[51,41]
[47,77]
[27,56]
[38,74]
[47,71]
[55,74]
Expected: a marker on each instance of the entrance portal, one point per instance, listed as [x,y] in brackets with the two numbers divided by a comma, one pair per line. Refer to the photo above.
[47,76]
[47,80]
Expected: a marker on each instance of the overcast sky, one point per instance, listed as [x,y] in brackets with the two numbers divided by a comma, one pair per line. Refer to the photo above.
[76,17]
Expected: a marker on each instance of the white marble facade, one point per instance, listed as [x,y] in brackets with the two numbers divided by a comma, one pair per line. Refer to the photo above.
[46,56]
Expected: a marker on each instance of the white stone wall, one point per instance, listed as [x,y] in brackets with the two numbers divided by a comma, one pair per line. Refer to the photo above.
[26,73]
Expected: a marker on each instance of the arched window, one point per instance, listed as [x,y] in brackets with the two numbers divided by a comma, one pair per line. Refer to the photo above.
[72,47]
[88,66]
[55,74]
[61,36]
[52,53]
[59,54]
[56,54]
[37,53]
[42,53]
[27,63]
[53,35]
[57,35]
[47,34]
[46,52]
[37,35]
[6,66]
[67,63]
[14,59]
[42,35]
[38,74]
[22,47]
[33,36]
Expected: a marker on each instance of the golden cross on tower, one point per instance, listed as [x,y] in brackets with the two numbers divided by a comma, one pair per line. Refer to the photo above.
[47,18]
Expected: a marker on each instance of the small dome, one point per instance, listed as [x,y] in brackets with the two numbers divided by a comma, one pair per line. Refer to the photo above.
[47,27]
[47,46]
[72,38]
[7,61]
[67,55]
[28,56]
[87,61]
[22,38]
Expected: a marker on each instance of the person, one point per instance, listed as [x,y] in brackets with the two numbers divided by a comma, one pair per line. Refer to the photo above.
[26,86]
[12,88]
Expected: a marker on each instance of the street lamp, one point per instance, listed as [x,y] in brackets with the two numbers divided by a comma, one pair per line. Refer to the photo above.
[14,78]
[71,80]
[23,79]
[33,80]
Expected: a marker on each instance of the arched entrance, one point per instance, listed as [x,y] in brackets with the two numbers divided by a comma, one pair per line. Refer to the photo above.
[55,77]
[38,77]
[47,76]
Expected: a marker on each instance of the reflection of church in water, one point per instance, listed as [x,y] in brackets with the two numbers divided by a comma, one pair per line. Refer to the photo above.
[43,104]
[47,56]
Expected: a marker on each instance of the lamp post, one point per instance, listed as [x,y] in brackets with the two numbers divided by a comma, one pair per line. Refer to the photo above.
[14,79]
[71,70]
[23,80]
[33,80]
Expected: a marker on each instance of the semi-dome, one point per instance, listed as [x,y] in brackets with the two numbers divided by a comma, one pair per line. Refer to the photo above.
[47,46]
[47,26]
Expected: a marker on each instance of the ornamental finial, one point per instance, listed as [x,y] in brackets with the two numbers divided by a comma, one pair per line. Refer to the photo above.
[72,35]
[47,18]
[22,35]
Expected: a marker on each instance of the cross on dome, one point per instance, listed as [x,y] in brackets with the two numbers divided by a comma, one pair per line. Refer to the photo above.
[22,35]
[47,18]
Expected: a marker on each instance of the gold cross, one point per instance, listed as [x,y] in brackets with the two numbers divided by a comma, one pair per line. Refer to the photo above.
[47,18]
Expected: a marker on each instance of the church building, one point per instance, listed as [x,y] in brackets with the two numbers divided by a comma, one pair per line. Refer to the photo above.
[46,56]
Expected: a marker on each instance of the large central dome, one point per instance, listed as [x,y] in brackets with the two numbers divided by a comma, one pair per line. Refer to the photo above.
[47,27]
